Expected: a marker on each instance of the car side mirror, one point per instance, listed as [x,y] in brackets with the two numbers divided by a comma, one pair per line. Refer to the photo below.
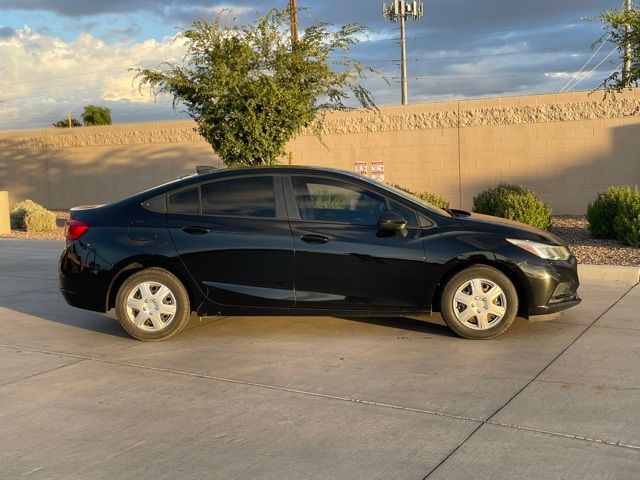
[391,221]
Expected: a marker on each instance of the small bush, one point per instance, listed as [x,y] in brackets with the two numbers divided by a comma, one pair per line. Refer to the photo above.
[626,224]
[432,198]
[28,215]
[514,202]
[604,210]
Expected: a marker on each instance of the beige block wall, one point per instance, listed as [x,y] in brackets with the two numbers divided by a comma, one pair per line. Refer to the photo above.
[566,147]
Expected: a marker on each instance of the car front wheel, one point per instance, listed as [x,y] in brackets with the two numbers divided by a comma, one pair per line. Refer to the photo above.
[479,302]
[152,305]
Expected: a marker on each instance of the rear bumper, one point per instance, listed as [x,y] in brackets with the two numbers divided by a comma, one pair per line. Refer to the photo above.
[81,285]
[80,300]
[553,286]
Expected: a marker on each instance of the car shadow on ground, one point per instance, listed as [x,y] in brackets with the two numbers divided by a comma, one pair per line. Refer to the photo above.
[51,307]
[403,323]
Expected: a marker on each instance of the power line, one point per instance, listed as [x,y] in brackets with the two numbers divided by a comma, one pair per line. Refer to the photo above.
[458,77]
[571,23]
[593,69]
[520,52]
[63,85]
[41,79]
[586,63]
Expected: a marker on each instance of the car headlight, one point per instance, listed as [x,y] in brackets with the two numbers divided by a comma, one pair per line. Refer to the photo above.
[542,250]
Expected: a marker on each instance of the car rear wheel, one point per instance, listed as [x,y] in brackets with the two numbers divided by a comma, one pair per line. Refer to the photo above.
[152,305]
[479,302]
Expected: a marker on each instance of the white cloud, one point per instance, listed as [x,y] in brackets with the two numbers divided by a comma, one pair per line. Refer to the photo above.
[45,76]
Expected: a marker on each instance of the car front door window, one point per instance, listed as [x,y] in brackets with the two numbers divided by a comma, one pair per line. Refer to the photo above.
[334,201]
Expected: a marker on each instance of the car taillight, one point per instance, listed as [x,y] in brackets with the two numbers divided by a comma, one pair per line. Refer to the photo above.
[74,229]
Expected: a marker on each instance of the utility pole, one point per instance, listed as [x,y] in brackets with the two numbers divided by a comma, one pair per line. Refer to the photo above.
[400,10]
[293,11]
[626,69]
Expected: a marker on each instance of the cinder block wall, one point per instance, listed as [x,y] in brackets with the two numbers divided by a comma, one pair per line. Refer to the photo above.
[566,147]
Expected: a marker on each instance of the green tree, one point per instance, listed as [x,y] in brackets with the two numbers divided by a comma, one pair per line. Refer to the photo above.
[64,123]
[250,89]
[95,115]
[615,25]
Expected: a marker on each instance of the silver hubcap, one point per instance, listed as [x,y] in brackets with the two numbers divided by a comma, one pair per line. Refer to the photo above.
[479,304]
[151,306]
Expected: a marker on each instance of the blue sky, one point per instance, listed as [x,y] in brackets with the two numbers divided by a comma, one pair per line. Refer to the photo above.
[59,55]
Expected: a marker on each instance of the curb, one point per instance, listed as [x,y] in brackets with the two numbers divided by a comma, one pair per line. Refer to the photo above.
[609,273]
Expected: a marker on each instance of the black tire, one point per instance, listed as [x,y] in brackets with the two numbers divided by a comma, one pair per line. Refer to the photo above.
[151,329]
[473,328]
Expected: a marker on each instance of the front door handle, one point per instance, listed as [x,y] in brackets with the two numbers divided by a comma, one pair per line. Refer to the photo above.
[314,238]
[195,230]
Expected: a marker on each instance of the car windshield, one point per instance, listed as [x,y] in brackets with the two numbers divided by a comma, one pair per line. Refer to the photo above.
[408,196]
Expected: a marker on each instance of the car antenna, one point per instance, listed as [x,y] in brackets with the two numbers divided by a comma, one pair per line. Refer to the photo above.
[202,169]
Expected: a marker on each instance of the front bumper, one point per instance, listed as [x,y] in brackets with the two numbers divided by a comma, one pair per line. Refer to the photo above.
[553,286]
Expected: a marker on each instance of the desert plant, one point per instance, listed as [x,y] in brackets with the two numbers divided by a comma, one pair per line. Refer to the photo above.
[431,198]
[66,123]
[250,89]
[28,215]
[96,115]
[626,223]
[604,210]
[514,202]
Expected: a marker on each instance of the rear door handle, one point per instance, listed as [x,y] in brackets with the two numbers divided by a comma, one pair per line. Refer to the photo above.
[195,230]
[314,239]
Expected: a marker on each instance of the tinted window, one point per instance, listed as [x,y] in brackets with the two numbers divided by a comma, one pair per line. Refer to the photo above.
[406,212]
[184,201]
[329,200]
[156,204]
[250,197]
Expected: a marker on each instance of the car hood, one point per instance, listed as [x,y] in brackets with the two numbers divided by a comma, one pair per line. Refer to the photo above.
[507,227]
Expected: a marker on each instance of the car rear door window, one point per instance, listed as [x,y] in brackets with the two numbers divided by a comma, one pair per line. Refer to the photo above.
[184,201]
[330,200]
[248,197]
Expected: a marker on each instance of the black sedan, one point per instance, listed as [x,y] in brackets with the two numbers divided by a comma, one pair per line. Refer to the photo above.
[306,241]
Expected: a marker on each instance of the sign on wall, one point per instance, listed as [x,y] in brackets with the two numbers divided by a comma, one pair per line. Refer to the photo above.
[360,168]
[377,171]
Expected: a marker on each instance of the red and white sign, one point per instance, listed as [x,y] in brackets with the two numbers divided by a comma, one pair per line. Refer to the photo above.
[360,168]
[377,171]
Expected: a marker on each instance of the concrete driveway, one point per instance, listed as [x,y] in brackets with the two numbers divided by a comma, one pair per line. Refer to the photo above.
[287,397]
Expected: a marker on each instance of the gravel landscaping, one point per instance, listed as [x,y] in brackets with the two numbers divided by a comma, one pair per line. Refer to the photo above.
[57,234]
[572,229]
[575,231]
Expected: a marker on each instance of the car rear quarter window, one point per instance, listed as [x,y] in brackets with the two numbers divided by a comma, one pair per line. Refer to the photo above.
[184,201]
[157,204]
[247,197]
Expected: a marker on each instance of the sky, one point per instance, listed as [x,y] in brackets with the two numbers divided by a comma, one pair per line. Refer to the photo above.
[59,55]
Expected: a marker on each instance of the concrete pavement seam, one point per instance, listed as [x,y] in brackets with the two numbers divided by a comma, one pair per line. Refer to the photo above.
[40,373]
[29,291]
[326,396]
[247,383]
[565,435]
[26,276]
[490,422]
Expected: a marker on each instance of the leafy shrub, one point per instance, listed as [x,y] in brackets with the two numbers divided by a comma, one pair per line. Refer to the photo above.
[28,215]
[604,210]
[514,202]
[626,224]
[325,199]
[431,198]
